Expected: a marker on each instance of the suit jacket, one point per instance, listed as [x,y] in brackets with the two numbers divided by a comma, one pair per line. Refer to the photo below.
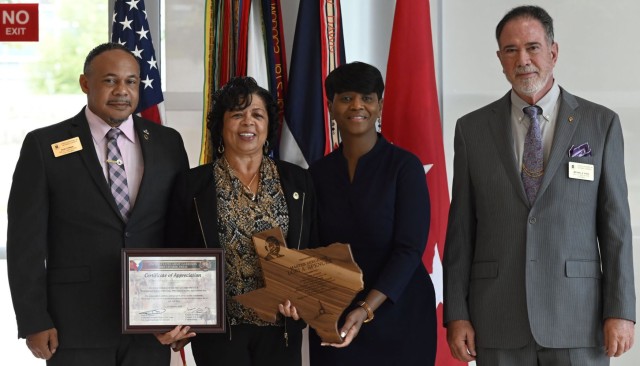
[65,233]
[554,270]
[194,213]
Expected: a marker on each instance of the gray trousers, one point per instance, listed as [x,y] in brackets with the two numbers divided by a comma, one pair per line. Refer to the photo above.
[536,355]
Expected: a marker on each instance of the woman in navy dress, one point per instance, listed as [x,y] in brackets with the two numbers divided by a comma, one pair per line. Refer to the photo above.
[373,195]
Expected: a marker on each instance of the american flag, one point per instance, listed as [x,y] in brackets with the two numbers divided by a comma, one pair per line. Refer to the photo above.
[130,28]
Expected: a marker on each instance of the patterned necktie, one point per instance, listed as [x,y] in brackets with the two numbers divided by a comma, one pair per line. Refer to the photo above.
[532,157]
[117,175]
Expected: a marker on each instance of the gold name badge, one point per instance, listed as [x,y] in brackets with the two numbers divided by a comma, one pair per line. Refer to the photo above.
[66,147]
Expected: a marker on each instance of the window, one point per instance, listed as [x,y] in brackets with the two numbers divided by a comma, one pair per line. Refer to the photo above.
[40,87]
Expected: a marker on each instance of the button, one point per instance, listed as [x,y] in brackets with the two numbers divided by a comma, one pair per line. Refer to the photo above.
[127,234]
[532,220]
[296,195]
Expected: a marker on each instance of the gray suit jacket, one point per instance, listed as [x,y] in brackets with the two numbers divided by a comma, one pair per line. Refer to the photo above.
[557,269]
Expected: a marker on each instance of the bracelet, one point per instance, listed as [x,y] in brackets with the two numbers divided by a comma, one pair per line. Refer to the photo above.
[366,308]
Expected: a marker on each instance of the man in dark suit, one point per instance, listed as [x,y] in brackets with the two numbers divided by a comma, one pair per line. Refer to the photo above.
[66,229]
[538,261]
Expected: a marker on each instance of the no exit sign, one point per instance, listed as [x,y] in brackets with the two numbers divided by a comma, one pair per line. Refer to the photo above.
[19,23]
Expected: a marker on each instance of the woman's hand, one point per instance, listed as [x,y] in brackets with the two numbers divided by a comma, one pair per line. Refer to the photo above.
[357,316]
[176,338]
[288,310]
[350,328]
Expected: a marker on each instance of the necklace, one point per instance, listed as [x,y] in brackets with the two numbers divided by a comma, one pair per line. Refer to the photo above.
[247,188]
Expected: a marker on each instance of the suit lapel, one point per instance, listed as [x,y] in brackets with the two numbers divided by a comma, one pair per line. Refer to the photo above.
[80,128]
[566,124]
[205,205]
[148,157]
[503,139]
[295,204]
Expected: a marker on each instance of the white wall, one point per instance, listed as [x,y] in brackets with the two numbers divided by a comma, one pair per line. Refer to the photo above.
[599,59]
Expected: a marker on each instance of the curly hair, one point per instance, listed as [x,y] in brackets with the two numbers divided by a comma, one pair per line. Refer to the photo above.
[236,95]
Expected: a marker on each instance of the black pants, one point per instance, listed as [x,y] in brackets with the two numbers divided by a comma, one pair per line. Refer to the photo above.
[133,350]
[248,345]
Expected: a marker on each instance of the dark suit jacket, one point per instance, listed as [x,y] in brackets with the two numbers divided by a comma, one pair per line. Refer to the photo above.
[554,270]
[65,234]
[195,202]
[194,216]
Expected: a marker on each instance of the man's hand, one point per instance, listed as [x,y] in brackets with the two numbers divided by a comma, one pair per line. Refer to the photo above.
[43,344]
[461,339]
[176,338]
[618,336]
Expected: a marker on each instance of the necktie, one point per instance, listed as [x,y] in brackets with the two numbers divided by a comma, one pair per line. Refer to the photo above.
[532,157]
[117,174]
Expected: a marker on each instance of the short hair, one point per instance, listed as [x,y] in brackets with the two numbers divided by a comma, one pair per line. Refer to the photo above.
[528,11]
[236,95]
[355,76]
[104,48]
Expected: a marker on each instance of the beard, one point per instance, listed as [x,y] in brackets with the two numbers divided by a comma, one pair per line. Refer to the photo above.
[530,86]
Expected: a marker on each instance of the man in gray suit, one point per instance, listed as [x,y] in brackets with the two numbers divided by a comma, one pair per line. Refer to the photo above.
[538,261]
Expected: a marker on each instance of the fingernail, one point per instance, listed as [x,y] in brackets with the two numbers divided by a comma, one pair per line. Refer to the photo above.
[343,334]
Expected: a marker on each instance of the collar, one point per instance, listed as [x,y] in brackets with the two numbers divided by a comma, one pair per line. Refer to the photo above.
[99,128]
[547,103]
[380,142]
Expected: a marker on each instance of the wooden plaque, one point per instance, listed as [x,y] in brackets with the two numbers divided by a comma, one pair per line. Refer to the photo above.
[320,282]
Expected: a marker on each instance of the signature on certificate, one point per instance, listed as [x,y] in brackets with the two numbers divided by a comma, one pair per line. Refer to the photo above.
[152,312]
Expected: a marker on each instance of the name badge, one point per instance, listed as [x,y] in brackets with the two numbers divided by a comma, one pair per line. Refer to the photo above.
[581,171]
[66,147]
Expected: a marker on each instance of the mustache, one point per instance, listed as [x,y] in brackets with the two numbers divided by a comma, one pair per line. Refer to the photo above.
[119,101]
[526,69]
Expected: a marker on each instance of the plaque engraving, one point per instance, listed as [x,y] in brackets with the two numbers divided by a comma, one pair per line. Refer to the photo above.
[320,282]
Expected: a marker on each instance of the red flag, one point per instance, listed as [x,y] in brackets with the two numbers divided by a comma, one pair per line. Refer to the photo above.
[411,120]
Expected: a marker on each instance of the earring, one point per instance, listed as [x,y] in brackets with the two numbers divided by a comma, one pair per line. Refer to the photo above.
[265,148]
[221,148]
[378,125]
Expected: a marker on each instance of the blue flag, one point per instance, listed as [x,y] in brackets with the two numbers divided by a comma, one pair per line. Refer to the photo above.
[318,48]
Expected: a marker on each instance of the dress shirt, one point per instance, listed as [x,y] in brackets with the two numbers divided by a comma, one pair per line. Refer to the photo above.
[520,122]
[129,146]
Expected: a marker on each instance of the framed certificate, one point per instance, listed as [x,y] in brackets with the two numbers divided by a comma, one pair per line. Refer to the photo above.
[162,288]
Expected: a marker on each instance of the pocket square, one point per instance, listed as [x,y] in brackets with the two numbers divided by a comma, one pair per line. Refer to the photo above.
[580,151]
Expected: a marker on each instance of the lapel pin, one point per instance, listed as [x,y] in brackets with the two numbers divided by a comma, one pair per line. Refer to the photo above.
[146,134]
[296,195]
[570,119]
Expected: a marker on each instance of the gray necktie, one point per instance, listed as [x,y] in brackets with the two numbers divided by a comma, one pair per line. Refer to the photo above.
[532,157]
[117,174]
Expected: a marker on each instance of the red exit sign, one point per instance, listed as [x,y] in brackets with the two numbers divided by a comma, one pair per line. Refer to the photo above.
[19,23]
